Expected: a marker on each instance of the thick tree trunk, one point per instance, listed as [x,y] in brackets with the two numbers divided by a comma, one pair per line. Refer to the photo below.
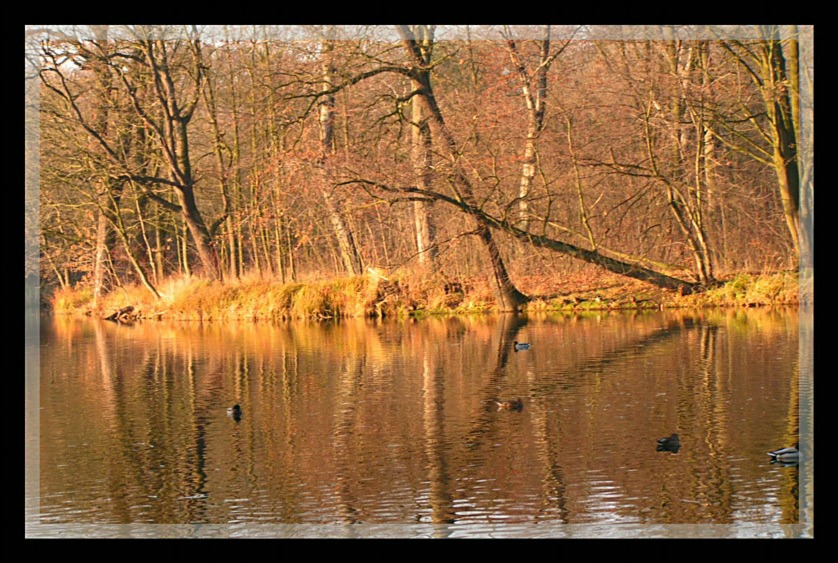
[422,157]
[203,241]
[783,132]
[104,238]
[802,128]
[633,270]
[189,208]
[183,252]
[424,234]
[509,297]
[174,135]
[527,175]
[103,235]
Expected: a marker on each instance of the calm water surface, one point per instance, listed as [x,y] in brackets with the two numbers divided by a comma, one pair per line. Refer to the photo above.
[380,429]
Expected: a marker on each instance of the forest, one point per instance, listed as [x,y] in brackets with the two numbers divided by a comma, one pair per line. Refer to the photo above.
[501,155]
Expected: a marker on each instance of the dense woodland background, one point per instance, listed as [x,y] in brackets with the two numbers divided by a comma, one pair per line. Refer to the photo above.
[311,152]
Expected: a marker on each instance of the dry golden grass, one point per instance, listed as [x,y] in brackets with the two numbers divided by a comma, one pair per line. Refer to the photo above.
[756,289]
[70,301]
[405,294]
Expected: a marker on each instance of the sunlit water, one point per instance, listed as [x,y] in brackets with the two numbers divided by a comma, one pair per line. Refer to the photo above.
[391,429]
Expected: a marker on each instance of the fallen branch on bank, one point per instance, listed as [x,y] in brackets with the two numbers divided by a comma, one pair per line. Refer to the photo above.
[123,315]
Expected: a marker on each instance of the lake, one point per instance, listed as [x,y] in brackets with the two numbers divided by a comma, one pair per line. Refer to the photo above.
[364,428]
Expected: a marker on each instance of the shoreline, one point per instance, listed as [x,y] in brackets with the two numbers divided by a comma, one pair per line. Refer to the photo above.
[409,296]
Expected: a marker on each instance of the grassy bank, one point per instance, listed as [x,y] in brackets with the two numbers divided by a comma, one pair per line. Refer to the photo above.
[370,295]
[373,295]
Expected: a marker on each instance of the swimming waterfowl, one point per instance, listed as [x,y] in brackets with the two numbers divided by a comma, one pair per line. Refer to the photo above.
[512,405]
[669,444]
[786,455]
[517,346]
[235,411]
[669,439]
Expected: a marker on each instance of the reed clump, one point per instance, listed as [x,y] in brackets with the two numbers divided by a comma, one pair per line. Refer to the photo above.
[68,300]
[752,290]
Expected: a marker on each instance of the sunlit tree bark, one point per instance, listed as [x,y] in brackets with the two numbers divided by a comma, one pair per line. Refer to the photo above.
[534,88]
[346,240]
[104,235]
[421,151]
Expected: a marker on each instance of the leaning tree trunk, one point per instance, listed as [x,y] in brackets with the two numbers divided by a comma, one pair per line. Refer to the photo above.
[766,64]
[620,267]
[508,296]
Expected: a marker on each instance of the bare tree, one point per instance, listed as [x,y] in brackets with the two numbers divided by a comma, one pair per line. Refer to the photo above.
[764,61]
[346,239]
[422,149]
[508,296]
[534,89]
[164,148]
[165,103]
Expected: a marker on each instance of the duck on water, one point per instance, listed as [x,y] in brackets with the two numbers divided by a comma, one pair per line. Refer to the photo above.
[786,455]
[511,405]
[670,443]
[518,346]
